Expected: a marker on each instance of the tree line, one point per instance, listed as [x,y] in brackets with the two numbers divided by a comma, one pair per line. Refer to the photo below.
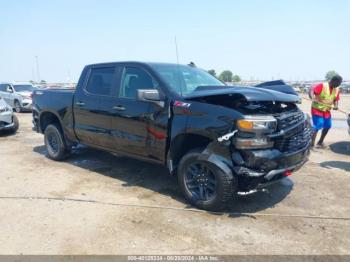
[225,76]
[228,76]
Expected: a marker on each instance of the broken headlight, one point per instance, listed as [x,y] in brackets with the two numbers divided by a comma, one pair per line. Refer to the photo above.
[257,124]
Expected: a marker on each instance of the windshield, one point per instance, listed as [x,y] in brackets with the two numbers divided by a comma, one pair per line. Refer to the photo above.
[185,79]
[22,88]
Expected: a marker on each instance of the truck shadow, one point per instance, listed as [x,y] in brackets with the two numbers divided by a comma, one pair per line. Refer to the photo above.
[336,164]
[261,200]
[156,178]
[342,148]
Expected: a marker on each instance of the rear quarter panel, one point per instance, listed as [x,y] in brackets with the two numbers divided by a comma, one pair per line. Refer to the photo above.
[58,102]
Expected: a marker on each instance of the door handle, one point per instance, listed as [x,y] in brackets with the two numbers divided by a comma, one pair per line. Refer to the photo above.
[119,108]
[80,103]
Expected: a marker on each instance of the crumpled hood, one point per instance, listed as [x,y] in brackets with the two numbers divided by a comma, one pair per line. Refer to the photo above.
[248,93]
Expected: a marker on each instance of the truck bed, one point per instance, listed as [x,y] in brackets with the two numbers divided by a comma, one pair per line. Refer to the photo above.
[53,99]
[56,101]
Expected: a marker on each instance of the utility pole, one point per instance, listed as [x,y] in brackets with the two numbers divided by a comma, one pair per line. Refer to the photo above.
[177,52]
[33,74]
[37,68]
[68,76]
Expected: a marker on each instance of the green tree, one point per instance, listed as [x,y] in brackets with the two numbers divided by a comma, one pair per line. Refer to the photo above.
[226,76]
[212,72]
[330,74]
[236,78]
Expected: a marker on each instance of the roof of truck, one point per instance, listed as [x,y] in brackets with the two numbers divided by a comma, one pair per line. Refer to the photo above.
[133,62]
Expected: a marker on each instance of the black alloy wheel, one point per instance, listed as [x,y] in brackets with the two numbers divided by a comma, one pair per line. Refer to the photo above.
[200,181]
[204,184]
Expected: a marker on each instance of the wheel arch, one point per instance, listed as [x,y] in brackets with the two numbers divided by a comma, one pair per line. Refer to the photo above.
[182,144]
[212,151]
[46,118]
[16,100]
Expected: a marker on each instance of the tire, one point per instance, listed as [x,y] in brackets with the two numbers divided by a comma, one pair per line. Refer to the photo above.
[217,186]
[55,143]
[18,108]
[16,126]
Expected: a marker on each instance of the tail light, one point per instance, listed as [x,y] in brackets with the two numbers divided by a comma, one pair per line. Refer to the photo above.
[287,173]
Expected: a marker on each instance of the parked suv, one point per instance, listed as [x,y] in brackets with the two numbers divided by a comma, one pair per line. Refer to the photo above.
[18,96]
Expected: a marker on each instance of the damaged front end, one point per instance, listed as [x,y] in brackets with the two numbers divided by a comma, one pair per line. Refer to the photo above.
[271,141]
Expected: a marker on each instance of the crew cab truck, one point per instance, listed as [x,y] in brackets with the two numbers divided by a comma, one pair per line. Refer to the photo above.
[219,140]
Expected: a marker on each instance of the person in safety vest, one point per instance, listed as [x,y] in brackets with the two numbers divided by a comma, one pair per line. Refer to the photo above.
[325,96]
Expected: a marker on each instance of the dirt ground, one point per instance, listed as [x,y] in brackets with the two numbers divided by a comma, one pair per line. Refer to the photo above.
[127,205]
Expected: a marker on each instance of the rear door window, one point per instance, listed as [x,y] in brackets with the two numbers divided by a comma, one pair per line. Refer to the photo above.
[101,81]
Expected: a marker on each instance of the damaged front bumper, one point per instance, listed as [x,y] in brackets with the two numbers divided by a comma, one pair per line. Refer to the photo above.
[261,168]
[257,168]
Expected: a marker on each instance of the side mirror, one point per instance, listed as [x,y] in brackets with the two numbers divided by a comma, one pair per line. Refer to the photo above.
[9,89]
[151,95]
[148,95]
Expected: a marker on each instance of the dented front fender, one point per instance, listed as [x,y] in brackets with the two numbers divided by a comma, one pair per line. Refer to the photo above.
[219,155]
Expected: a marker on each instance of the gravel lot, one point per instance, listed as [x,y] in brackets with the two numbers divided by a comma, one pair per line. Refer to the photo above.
[119,215]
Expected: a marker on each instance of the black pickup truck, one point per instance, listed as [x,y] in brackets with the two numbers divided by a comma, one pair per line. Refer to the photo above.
[219,140]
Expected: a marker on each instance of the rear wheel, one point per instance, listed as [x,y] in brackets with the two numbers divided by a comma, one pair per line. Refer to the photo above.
[18,108]
[204,184]
[55,143]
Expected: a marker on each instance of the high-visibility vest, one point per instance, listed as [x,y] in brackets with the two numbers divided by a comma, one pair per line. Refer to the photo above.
[325,100]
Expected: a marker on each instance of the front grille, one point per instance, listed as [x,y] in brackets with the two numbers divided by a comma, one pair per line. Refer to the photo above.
[294,142]
[290,120]
[295,139]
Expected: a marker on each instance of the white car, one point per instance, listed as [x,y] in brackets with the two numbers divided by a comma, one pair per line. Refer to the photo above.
[18,95]
[8,120]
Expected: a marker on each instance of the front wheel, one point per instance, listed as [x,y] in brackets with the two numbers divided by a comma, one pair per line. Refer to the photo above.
[18,108]
[55,143]
[204,184]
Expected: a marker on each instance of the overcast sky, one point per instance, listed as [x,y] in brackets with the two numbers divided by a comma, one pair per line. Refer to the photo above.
[289,39]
